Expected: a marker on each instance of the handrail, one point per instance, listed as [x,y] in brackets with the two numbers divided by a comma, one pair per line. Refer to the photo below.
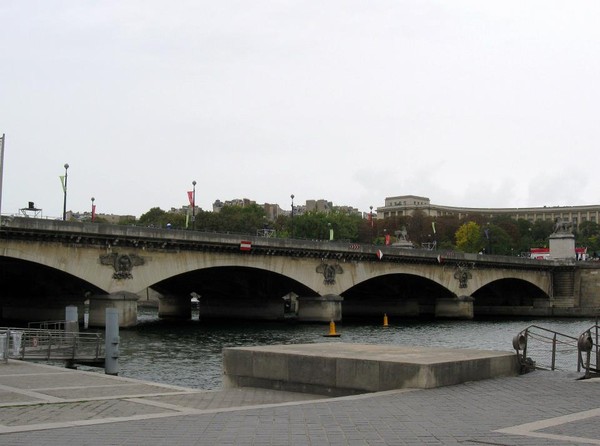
[532,342]
[587,343]
[47,325]
[50,345]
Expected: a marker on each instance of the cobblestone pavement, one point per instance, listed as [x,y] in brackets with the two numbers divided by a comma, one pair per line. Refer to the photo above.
[540,408]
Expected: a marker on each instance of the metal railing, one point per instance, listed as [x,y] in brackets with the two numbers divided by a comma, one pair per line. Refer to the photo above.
[48,325]
[50,345]
[589,352]
[541,348]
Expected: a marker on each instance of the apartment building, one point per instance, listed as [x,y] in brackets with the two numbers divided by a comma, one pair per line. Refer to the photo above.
[405,205]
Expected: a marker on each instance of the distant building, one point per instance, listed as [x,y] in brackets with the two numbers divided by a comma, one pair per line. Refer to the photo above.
[406,205]
[272,211]
[327,207]
[218,204]
[319,206]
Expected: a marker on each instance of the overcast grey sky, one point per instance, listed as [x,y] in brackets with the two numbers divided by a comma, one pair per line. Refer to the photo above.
[470,103]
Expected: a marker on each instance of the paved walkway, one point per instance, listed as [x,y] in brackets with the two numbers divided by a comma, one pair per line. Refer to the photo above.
[43,405]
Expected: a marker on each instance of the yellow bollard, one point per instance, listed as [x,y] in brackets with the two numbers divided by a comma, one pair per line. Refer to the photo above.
[385,320]
[332,333]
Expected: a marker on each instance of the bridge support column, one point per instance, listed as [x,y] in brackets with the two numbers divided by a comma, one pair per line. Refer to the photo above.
[320,308]
[174,307]
[123,301]
[454,307]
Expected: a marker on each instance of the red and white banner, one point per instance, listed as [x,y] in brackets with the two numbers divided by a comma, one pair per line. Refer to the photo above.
[191,197]
[93,212]
[379,254]
[245,245]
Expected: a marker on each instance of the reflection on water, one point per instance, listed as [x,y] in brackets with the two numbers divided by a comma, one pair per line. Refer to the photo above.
[189,353]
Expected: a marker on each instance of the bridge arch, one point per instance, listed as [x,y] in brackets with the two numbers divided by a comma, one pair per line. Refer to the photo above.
[34,291]
[508,296]
[398,294]
[232,292]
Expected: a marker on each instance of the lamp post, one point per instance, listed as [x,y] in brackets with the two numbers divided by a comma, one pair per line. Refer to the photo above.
[194,205]
[371,218]
[93,209]
[292,197]
[65,194]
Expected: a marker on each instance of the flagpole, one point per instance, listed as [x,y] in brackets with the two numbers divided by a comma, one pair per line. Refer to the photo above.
[1,173]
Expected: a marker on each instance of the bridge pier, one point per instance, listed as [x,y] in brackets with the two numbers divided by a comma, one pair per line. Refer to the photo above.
[454,307]
[175,307]
[320,308]
[123,301]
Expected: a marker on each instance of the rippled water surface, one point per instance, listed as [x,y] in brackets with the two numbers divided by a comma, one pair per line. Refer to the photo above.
[189,353]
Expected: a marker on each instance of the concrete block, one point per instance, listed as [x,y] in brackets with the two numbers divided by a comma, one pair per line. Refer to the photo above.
[358,374]
[346,369]
[313,370]
[270,365]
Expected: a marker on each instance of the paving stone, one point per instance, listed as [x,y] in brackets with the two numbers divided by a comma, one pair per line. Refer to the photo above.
[494,411]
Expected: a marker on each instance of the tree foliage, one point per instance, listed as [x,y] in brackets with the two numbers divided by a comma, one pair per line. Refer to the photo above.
[498,235]
[468,237]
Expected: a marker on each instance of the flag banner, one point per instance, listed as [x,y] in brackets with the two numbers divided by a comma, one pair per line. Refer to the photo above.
[245,245]
[62,182]
[433,226]
[331,234]
[387,239]
[93,212]
[191,197]
[379,254]
[187,219]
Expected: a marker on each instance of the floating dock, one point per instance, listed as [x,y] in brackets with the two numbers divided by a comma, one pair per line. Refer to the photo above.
[339,369]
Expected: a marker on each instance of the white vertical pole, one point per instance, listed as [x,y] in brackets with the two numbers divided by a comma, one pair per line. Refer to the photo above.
[111,360]
[71,319]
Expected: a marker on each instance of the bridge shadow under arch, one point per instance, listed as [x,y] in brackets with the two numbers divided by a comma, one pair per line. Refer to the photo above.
[235,292]
[397,295]
[507,296]
[29,289]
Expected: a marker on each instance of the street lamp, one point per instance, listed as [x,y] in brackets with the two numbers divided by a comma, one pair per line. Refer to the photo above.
[65,194]
[93,209]
[292,197]
[194,205]
[371,218]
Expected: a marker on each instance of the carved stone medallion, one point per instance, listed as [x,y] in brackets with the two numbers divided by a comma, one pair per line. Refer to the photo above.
[122,263]
[329,272]
[462,274]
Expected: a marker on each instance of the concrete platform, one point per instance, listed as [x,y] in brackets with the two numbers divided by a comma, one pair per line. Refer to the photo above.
[338,369]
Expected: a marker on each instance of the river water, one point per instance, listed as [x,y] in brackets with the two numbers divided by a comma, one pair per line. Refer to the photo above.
[189,353]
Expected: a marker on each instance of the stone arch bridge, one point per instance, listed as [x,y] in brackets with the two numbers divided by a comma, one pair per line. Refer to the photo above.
[46,265]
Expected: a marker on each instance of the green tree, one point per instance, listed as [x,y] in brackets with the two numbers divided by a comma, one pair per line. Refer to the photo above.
[154,217]
[240,219]
[540,231]
[498,241]
[468,237]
